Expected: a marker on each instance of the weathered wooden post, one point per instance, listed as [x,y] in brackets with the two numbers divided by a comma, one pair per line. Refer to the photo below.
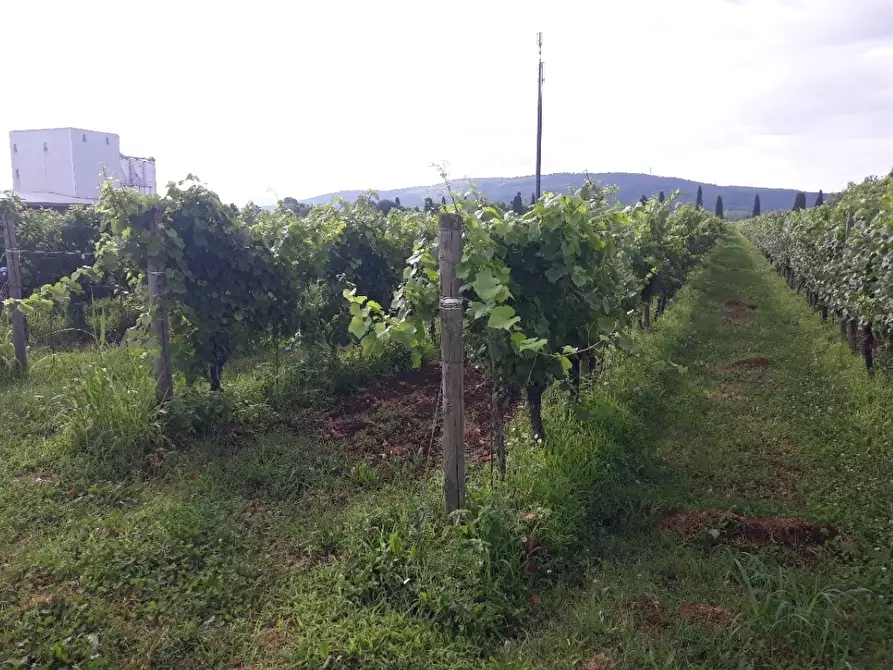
[14,279]
[868,348]
[164,384]
[452,355]
[853,339]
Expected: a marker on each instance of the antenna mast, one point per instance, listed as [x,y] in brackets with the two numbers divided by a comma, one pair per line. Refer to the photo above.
[539,116]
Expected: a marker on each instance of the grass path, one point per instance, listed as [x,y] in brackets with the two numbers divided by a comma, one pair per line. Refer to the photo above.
[771,416]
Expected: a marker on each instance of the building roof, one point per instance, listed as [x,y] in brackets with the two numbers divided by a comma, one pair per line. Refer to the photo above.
[45,199]
[71,128]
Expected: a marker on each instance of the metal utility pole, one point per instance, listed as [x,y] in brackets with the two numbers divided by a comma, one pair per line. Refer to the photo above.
[539,117]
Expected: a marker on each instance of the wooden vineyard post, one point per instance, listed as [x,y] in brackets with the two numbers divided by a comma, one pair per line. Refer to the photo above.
[452,355]
[164,384]
[868,348]
[853,339]
[14,270]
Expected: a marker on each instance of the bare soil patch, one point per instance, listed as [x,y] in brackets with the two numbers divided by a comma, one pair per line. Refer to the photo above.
[394,417]
[41,477]
[737,312]
[745,363]
[724,391]
[738,304]
[598,662]
[707,616]
[646,613]
[748,531]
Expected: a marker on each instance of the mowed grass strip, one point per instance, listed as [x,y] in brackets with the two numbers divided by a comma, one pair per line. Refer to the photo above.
[772,423]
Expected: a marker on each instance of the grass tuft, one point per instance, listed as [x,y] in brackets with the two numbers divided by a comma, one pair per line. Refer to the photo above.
[109,411]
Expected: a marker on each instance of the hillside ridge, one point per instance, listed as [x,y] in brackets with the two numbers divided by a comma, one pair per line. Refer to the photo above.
[631,186]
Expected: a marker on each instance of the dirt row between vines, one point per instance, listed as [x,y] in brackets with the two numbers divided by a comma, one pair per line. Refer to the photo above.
[398,417]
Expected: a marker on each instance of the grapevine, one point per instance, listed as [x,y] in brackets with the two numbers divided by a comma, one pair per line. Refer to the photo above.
[840,254]
[239,279]
[542,288]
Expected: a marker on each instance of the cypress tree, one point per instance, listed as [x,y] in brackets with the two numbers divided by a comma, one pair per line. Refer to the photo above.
[443,200]
[756,205]
[699,200]
[800,201]
[533,198]
[518,204]
[719,210]
[820,199]
[661,197]
[397,202]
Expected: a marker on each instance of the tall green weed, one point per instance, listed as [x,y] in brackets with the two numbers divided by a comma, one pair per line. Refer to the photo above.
[110,412]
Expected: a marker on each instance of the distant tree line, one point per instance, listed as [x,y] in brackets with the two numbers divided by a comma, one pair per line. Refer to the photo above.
[518,206]
[799,202]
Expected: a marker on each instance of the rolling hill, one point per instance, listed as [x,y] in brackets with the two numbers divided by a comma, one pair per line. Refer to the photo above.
[631,187]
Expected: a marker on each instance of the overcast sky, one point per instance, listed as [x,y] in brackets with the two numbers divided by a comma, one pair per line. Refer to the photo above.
[306,98]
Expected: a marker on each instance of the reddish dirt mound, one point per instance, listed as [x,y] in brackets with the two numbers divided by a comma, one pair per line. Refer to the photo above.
[737,312]
[708,616]
[748,531]
[743,363]
[393,417]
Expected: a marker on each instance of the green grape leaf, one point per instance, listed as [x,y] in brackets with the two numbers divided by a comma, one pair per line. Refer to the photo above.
[565,363]
[403,333]
[579,276]
[502,317]
[605,324]
[477,309]
[372,347]
[532,344]
[626,343]
[357,326]
[555,273]
[487,286]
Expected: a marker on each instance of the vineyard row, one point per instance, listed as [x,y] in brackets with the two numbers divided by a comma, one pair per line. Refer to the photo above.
[841,255]
[544,292]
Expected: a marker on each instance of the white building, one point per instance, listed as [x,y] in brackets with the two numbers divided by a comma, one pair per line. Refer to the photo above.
[58,167]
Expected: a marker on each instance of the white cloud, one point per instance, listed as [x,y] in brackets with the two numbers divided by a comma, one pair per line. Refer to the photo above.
[307,98]
[879,52]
